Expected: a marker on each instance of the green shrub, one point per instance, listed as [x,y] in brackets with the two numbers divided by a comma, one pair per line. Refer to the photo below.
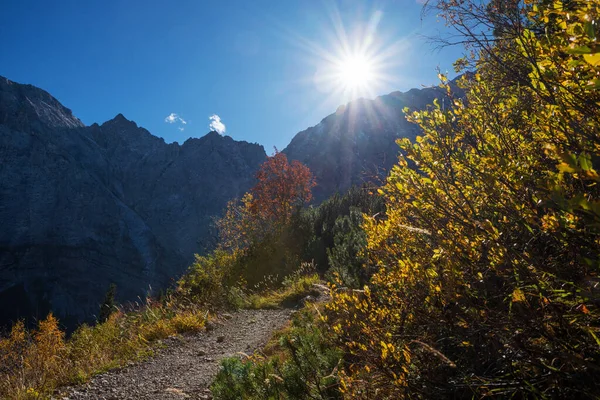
[316,227]
[303,366]
[346,257]
[210,277]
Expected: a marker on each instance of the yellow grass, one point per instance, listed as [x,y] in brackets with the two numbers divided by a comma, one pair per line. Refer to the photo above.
[34,363]
[292,292]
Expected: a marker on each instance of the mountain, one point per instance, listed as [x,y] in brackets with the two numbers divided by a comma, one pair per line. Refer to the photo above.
[86,206]
[356,144]
[82,207]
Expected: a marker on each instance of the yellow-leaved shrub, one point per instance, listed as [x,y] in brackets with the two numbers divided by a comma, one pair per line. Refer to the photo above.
[489,255]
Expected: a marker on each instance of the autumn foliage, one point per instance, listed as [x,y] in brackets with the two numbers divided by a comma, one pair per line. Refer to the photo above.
[488,258]
[282,188]
[259,228]
[34,362]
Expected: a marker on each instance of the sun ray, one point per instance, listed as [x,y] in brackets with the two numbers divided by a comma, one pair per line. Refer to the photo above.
[347,62]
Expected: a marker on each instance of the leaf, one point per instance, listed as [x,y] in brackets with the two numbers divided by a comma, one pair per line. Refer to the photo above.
[589,29]
[585,160]
[564,167]
[594,336]
[518,296]
[579,50]
[594,84]
[593,59]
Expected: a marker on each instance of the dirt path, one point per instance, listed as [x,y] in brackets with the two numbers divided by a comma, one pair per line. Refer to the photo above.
[187,366]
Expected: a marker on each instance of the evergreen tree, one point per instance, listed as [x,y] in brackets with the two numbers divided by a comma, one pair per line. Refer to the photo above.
[108,305]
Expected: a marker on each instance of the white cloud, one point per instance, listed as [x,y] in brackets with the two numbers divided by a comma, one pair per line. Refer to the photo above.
[181,128]
[216,124]
[172,118]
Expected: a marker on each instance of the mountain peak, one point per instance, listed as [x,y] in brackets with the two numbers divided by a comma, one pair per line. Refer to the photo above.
[120,119]
[28,107]
[357,142]
[213,134]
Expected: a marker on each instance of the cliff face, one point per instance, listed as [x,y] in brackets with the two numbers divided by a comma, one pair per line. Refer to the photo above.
[83,207]
[356,144]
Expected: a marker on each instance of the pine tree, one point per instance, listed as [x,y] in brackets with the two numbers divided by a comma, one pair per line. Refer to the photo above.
[108,305]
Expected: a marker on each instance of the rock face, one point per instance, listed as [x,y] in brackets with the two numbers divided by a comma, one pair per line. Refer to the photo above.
[356,144]
[83,207]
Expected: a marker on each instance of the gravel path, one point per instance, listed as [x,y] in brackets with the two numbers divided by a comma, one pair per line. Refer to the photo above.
[185,368]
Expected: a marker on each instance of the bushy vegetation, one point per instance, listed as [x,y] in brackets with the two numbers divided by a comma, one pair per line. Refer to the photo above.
[34,362]
[321,229]
[488,257]
[301,364]
[264,238]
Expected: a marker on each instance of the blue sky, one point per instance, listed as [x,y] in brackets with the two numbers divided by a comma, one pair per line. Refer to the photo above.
[257,65]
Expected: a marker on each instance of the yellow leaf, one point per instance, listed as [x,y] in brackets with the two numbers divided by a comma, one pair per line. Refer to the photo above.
[518,295]
[593,59]
[564,167]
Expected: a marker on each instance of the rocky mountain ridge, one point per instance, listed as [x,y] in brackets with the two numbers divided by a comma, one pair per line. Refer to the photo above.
[356,144]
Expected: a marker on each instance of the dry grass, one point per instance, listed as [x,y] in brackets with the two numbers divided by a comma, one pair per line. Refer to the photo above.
[291,293]
[34,363]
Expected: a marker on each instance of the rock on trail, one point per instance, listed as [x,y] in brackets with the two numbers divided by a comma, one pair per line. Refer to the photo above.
[186,367]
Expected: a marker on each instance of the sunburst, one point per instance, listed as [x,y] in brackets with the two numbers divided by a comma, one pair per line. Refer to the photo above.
[356,72]
[352,60]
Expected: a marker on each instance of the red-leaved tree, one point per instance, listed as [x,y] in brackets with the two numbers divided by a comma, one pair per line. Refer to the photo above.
[282,188]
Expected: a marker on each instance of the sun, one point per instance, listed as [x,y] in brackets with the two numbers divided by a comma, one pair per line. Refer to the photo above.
[349,62]
[355,72]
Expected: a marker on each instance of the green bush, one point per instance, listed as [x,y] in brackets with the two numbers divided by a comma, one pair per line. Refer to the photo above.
[315,227]
[346,257]
[303,366]
[210,278]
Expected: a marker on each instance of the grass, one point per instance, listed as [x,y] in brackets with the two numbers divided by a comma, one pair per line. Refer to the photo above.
[299,362]
[34,363]
[293,290]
